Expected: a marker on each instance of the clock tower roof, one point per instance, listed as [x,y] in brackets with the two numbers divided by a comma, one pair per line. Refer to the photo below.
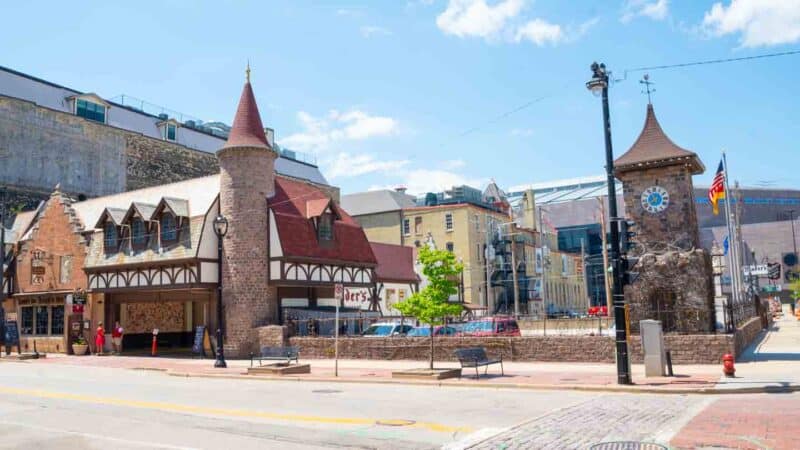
[653,148]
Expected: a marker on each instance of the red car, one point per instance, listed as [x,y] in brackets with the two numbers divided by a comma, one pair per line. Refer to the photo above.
[597,311]
[491,326]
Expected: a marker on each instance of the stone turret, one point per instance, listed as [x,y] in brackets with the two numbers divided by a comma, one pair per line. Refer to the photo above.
[247,181]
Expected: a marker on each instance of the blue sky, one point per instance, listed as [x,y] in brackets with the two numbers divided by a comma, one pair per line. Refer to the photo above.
[413,93]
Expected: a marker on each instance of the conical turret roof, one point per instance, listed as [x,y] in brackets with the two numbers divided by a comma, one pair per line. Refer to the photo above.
[247,129]
[653,148]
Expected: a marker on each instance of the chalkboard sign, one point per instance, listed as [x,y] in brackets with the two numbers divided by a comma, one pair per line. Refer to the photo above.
[12,336]
[197,347]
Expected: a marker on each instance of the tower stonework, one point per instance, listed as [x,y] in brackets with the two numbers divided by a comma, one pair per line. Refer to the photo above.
[675,281]
[247,181]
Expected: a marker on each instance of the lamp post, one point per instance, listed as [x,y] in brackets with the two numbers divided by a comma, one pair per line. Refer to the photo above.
[599,86]
[220,229]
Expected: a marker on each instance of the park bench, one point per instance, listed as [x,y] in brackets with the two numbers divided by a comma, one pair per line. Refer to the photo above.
[476,357]
[275,354]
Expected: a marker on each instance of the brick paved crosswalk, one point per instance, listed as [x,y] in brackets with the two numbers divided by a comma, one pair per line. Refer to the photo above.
[601,419]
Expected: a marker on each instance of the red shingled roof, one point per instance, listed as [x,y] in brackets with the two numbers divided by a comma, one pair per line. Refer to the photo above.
[247,129]
[395,263]
[297,231]
[654,148]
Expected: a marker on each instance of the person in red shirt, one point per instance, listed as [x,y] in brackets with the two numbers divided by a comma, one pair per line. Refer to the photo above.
[100,339]
[116,337]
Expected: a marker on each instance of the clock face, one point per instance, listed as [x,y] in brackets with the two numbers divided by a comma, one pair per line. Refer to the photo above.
[655,199]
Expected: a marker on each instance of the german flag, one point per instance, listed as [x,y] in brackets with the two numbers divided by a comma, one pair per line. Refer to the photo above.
[717,190]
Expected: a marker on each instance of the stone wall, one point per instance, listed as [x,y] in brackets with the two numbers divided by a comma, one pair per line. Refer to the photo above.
[152,162]
[746,334]
[684,348]
[40,148]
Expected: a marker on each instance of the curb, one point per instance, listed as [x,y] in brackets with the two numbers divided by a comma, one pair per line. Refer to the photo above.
[489,385]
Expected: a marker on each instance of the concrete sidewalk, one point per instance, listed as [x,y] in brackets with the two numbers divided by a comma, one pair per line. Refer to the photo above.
[524,375]
[772,361]
[770,364]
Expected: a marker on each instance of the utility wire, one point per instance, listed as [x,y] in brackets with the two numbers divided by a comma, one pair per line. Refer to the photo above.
[706,62]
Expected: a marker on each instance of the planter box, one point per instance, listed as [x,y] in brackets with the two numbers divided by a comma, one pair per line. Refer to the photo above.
[427,374]
[80,349]
[280,369]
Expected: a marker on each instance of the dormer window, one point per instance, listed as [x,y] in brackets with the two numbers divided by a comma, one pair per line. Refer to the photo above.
[169,129]
[138,232]
[90,110]
[325,230]
[169,231]
[110,236]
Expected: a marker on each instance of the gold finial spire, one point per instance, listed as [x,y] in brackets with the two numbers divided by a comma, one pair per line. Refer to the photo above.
[247,71]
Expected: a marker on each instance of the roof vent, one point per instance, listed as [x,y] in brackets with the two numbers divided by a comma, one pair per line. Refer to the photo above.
[401,189]
[189,123]
[163,116]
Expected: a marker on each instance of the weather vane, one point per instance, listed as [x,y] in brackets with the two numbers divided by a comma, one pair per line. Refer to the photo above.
[646,82]
[247,71]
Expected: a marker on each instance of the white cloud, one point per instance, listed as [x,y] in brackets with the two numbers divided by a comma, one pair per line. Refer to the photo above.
[421,181]
[540,33]
[452,164]
[369,31]
[656,10]
[760,22]
[319,133]
[475,18]
[503,21]
[346,165]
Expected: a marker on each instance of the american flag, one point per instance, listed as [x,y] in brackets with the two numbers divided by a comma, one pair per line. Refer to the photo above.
[717,190]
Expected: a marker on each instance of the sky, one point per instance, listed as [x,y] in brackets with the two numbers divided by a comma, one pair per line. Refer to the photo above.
[428,94]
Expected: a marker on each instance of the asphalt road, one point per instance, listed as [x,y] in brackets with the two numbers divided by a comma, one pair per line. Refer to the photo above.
[78,407]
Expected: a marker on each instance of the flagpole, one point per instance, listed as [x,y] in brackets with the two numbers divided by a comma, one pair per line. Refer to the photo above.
[734,269]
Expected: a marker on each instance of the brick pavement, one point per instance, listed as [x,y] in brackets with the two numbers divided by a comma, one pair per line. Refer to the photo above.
[646,418]
[765,421]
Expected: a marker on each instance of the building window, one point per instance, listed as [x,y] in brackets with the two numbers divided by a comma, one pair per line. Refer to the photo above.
[42,320]
[448,221]
[139,236]
[170,132]
[110,235]
[477,222]
[406,227]
[450,247]
[418,225]
[91,111]
[168,230]
[326,227]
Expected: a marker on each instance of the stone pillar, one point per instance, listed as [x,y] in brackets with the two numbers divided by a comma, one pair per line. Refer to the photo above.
[247,180]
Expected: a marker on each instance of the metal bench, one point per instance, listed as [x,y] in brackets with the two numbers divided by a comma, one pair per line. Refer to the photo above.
[276,354]
[476,357]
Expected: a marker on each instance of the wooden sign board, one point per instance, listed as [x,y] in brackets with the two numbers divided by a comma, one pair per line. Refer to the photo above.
[12,337]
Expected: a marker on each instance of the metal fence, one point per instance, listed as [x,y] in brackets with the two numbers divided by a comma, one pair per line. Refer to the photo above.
[583,326]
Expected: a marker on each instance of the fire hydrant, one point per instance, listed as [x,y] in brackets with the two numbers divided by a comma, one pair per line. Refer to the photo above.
[154,348]
[727,365]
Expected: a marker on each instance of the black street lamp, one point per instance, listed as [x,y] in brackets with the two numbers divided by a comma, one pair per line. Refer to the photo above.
[220,229]
[599,86]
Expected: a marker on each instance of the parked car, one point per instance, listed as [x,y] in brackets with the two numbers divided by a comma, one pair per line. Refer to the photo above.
[491,326]
[438,330]
[386,329]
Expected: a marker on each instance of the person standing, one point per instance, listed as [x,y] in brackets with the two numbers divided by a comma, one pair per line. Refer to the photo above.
[116,337]
[100,339]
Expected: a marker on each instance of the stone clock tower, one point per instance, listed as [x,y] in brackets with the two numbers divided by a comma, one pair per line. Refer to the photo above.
[674,285]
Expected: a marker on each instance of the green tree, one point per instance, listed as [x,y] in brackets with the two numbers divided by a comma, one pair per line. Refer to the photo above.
[431,305]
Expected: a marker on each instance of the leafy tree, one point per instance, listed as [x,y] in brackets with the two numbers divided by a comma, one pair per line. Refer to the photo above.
[430,305]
